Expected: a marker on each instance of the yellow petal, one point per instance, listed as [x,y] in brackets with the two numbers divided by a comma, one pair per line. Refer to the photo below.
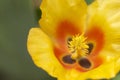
[55,12]
[111,9]
[105,15]
[107,70]
[41,50]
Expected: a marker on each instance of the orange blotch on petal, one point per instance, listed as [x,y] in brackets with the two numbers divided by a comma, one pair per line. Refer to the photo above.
[96,60]
[96,36]
[66,29]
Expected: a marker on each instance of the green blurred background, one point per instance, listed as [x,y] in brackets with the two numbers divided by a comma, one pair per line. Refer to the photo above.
[16,18]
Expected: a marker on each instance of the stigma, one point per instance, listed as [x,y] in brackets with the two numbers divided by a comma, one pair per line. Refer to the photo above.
[78,46]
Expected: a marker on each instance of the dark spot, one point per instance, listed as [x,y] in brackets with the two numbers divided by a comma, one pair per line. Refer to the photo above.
[84,63]
[90,47]
[68,59]
[69,39]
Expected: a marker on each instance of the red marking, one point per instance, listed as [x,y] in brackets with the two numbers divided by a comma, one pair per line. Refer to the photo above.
[66,29]
[96,36]
[96,60]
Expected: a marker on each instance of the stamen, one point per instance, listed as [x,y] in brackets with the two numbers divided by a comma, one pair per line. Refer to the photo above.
[79,46]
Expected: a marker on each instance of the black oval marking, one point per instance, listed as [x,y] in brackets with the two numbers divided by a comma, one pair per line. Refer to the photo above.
[69,39]
[90,47]
[85,63]
[68,59]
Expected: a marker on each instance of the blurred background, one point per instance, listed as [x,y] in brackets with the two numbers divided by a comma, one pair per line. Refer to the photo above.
[16,18]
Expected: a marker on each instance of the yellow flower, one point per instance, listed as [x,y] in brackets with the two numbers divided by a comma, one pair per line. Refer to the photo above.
[76,41]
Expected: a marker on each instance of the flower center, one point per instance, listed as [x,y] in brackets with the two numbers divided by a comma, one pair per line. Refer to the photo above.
[78,46]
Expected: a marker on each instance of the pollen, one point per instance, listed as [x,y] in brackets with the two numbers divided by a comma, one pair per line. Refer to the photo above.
[78,46]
